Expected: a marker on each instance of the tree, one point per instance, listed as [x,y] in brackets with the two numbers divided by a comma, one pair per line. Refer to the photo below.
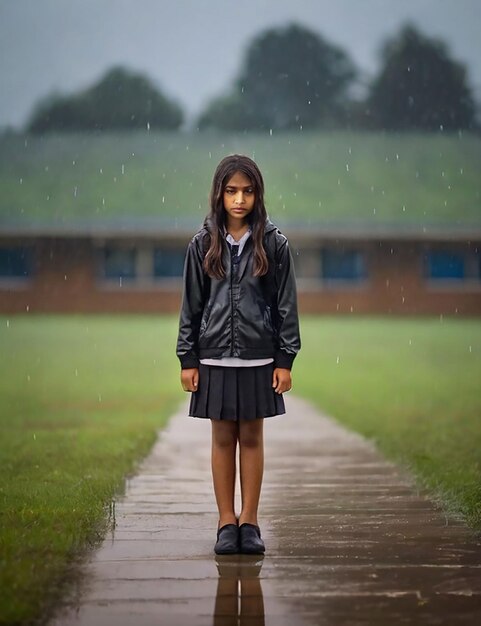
[120,100]
[291,78]
[420,87]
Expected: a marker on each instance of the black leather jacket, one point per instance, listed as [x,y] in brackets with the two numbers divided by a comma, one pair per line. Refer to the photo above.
[241,315]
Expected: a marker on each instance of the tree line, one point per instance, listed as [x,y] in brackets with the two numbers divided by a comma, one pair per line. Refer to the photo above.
[290,78]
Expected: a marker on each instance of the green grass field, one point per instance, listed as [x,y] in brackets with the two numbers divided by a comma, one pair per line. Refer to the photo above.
[310,177]
[410,385]
[82,397]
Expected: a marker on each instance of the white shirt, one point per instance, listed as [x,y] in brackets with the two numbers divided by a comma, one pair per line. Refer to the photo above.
[235,361]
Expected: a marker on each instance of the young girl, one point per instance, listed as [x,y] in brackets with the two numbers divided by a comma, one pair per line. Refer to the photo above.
[238,337]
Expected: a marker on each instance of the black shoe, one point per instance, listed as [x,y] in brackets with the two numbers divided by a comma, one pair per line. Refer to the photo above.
[227,540]
[250,539]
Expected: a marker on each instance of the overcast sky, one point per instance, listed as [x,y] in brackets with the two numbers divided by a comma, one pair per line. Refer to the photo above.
[193,48]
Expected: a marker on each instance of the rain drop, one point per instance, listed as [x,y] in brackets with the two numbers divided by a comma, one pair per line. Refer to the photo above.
[337,360]
[148,125]
[270,132]
[8,323]
[123,168]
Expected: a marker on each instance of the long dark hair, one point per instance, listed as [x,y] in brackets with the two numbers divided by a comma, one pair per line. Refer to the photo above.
[216,219]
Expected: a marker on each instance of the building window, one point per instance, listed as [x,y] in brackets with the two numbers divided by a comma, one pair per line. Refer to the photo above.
[445,265]
[168,262]
[120,262]
[15,262]
[343,265]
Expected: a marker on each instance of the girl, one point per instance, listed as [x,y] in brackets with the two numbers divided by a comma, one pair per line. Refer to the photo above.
[238,337]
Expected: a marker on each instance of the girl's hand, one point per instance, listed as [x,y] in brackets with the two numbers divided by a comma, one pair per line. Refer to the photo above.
[281,380]
[189,379]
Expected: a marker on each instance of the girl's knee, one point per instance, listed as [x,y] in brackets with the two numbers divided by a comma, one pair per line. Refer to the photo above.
[224,434]
[251,434]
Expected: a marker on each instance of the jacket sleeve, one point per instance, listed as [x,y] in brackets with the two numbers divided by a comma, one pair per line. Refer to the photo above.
[192,305]
[288,320]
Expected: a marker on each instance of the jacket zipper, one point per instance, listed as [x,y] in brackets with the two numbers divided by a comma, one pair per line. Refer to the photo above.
[231,307]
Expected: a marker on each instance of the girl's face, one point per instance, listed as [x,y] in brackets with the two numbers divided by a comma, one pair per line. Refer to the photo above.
[239,197]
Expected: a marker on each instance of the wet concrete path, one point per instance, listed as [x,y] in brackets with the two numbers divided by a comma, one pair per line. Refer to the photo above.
[349,540]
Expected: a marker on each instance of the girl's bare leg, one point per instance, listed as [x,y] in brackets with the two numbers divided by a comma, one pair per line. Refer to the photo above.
[251,446]
[224,444]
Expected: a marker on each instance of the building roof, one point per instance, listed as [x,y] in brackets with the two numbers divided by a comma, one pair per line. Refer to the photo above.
[177,229]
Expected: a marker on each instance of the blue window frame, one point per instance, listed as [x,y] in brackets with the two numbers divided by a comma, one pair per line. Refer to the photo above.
[168,262]
[120,262]
[15,262]
[343,265]
[445,265]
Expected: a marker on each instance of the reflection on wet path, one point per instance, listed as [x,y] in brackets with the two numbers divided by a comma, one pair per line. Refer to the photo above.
[349,541]
[239,600]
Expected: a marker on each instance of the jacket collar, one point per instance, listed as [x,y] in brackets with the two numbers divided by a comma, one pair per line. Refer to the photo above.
[245,256]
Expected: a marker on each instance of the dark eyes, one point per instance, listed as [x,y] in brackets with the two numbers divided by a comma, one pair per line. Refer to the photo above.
[233,191]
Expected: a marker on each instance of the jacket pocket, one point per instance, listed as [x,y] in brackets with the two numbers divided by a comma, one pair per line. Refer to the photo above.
[205,319]
[268,319]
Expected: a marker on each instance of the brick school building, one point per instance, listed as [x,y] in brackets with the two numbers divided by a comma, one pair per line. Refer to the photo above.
[135,266]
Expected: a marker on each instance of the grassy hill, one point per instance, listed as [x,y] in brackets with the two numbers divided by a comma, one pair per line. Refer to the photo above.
[310,177]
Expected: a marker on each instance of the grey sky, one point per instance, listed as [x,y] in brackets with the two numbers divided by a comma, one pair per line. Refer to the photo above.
[193,48]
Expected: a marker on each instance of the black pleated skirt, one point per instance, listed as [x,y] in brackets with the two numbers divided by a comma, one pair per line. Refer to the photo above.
[236,393]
